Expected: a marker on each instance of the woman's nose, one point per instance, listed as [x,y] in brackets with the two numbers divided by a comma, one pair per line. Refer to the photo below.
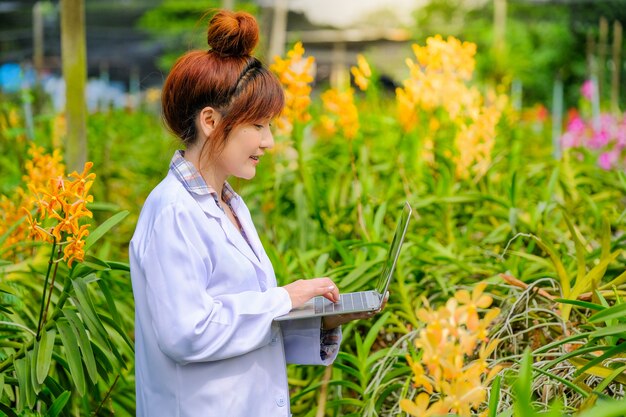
[267,141]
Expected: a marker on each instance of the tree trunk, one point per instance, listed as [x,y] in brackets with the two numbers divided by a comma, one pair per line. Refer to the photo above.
[602,47]
[279,29]
[38,38]
[499,23]
[74,59]
[617,66]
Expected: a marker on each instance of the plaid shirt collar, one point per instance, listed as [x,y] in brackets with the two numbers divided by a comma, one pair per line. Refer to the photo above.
[191,179]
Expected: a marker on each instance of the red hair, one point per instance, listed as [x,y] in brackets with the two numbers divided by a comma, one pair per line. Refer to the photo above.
[226,77]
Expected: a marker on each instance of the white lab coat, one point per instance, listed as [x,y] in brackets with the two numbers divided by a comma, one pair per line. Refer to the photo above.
[205,341]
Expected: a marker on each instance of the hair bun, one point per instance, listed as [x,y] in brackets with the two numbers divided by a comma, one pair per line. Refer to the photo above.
[233,33]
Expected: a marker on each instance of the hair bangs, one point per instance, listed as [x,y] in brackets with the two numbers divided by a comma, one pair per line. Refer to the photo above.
[263,98]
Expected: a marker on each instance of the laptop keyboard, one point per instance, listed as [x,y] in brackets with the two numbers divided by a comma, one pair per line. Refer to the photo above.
[356,301]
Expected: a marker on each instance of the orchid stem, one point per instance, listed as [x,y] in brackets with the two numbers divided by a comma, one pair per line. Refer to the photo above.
[45,287]
[54,274]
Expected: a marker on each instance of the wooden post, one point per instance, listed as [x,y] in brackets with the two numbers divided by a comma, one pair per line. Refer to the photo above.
[74,61]
[38,38]
[279,29]
[339,72]
[595,103]
[104,72]
[602,47]
[557,116]
[134,88]
[499,23]
[516,94]
[27,104]
[591,55]
[617,66]
[228,4]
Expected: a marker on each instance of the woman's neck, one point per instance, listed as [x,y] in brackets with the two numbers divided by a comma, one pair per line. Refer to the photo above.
[207,169]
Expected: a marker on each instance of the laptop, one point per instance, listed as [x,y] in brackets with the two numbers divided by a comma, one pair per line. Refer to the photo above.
[360,301]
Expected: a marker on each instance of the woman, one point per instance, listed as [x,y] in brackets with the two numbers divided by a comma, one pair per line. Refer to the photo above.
[205,291]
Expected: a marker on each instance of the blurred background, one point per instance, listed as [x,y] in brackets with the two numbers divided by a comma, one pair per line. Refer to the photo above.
[529,45]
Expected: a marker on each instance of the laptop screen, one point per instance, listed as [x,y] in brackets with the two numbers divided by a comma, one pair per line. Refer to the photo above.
[394,250]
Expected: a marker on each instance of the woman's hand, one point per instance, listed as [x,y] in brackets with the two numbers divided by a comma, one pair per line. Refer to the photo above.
[303,290]
[330,322]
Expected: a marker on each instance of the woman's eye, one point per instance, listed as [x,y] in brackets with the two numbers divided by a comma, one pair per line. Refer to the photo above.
[259,126]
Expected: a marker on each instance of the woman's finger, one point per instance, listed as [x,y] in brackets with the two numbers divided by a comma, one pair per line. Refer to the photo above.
[330,292]
[330,296]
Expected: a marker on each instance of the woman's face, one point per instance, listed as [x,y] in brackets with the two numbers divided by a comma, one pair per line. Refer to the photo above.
[245,145]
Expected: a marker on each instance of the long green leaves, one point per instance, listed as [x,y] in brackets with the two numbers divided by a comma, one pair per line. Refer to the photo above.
[104,228]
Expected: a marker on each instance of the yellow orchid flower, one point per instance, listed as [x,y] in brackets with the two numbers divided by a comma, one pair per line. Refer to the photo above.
[361,73]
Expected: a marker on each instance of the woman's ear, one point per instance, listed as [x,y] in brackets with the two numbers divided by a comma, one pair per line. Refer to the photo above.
[208,120]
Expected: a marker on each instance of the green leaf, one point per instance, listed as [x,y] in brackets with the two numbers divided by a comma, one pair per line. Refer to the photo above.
[315,386]
[523,387]
[104,227]
[52,384]
[44,354]
[580,249]
[359,276]
[597,370]
[617,311]
[119,266]
[372,334]
[95,263]
[116,326]
[605,241]
[565,382]
[104,287]
[356,374]
[83,343]
[610,353]
[100,206]
[574,353]
[558,265]
[602,386]
[103,360]
[494,396]
[88,311]
[609,331]
[33,387]
[590,280]
[578,303]
[606,409]
[8,410]
[33,367]
[58,405]
[6,289]
[379,217]
[21,372]
[343,253]
[619,280]
[72,354]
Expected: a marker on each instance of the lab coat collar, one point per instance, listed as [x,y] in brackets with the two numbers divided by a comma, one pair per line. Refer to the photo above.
[233,235]
[190,178]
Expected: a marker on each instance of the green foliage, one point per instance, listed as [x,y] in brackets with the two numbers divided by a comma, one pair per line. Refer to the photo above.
[80,348]
[175,23]
[538,44]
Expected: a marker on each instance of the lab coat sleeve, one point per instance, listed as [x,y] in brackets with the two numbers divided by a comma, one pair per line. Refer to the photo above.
[191,325]
[302,342]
